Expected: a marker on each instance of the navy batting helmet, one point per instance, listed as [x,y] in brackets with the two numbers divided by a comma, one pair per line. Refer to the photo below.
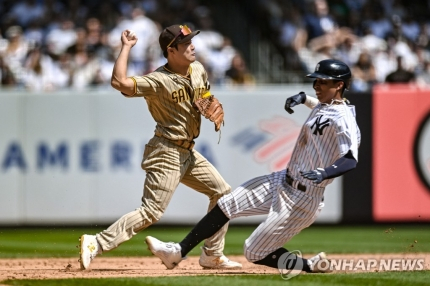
[332,69]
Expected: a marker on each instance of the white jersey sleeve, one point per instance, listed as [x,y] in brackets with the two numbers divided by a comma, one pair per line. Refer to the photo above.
[348,133]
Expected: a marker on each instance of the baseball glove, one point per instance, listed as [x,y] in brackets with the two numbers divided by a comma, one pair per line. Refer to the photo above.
[211,109]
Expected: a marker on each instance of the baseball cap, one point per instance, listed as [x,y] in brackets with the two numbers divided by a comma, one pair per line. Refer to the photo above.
[175,34]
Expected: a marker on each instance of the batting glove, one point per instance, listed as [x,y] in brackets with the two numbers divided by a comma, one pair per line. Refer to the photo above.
[294,100]
[317,176]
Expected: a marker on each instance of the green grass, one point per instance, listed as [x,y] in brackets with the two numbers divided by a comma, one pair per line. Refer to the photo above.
[363,239]
[61,242]
[359,279]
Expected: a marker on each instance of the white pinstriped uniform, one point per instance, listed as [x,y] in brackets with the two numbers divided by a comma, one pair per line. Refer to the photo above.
[327,135]
[170,98]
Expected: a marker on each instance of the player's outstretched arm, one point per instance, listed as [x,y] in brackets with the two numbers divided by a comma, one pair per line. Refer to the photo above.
[119,79]
[311,102]
[338,168]
[300,98]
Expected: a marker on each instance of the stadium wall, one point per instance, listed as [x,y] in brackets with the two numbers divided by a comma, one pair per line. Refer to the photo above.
[72,158]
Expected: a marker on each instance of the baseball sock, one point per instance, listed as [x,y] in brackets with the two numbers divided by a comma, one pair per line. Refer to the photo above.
[271,260]
[205,228]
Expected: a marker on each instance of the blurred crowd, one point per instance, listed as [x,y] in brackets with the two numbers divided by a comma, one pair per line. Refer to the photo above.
[381,40]
[52,44]
[48,45]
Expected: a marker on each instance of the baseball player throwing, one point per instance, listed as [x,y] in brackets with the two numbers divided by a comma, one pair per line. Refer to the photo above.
[171,92]
[327,147]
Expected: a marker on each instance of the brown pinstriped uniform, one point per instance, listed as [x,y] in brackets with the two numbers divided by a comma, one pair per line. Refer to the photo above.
[169,158]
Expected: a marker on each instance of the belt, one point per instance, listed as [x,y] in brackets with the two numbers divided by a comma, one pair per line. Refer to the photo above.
[181,143]
[290,181]
[184,143]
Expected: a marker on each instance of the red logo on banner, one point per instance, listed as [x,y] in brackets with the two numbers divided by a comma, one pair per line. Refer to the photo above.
[277,151]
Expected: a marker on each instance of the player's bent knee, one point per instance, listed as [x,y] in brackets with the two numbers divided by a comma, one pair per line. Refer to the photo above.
[216,197]
[151,214]
[224,189]
[248,257]
[249,254]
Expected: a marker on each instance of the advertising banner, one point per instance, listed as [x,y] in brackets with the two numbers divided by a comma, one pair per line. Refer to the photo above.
[69,158]
[401,153]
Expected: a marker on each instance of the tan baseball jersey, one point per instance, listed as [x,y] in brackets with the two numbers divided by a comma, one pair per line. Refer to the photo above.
[170,98]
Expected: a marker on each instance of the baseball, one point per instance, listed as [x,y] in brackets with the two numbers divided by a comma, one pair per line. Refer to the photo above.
[131,35]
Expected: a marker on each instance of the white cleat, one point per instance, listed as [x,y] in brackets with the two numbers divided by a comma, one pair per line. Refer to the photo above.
[320,264]
[217,262]
[89,249]
[168,252]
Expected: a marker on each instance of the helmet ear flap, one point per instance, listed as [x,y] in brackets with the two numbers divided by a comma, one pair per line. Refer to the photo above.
[347,83]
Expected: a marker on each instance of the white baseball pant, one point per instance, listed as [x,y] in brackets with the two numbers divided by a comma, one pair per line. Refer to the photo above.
[289,211]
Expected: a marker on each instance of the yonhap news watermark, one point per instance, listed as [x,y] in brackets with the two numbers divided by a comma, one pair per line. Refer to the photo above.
[383,264]
[290,264]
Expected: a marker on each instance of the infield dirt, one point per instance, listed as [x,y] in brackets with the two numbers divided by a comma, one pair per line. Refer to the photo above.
[109,267]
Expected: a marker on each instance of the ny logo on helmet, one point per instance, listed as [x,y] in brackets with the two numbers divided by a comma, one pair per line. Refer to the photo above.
[317,67]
